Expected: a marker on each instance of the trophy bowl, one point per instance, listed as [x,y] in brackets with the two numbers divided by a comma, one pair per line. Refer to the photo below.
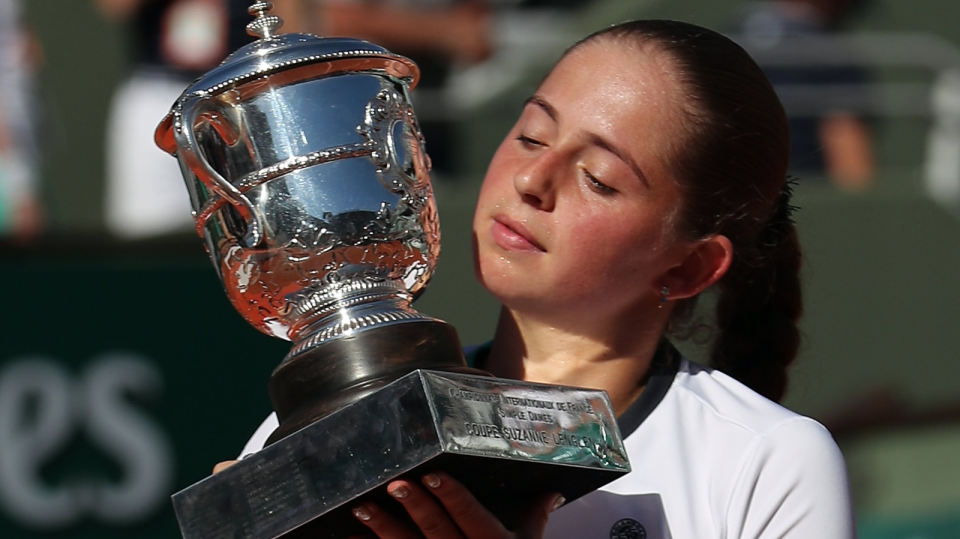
[310,187]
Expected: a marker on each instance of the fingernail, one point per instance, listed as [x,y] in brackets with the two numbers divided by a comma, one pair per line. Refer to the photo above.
[400,493]
[558,503]
[361,513]
[432,480]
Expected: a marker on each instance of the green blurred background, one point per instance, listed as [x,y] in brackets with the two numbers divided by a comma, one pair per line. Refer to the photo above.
[879,363]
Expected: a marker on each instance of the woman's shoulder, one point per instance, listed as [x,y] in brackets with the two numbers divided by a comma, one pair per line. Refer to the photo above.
[756,465]
[724,399]
[709,407]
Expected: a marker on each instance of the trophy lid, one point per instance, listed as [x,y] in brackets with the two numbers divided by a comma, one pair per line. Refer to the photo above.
[274,53]
[285,51]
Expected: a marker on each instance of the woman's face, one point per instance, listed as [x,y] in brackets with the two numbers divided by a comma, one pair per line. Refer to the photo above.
[577,210]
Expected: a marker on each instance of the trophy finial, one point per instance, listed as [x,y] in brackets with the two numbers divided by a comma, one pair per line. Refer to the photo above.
[265,25]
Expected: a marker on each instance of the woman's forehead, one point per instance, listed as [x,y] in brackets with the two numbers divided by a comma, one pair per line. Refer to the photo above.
[618,90]
[607,73]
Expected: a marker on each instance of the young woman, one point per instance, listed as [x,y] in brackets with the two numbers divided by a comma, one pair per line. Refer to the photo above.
[650,165]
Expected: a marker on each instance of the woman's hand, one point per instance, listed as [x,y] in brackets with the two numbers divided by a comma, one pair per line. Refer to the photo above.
[444,509]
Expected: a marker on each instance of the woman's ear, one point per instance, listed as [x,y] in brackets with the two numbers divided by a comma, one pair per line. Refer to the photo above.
[704,265]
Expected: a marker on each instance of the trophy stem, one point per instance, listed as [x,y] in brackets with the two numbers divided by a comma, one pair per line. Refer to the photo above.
[343,309]
[316,380]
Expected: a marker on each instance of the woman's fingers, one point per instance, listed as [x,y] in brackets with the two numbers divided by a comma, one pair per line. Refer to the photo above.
[381,523]
[535,522]
[221,466]
[444,509]
[425,510]
[466,512]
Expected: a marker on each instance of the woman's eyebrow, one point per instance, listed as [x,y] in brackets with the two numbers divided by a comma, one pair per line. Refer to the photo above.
[594,139]
[542,103]
[622,154]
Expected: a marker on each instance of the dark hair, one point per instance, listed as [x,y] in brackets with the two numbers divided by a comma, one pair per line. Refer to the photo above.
[732,174]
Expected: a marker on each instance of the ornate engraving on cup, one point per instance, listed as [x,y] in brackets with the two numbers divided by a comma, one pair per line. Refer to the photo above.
[391,128]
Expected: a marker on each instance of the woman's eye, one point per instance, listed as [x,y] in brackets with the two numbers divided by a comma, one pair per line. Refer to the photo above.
[527,141]
[598,185]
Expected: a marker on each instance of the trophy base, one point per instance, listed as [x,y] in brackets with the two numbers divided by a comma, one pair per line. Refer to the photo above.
[506,441]
[314,384]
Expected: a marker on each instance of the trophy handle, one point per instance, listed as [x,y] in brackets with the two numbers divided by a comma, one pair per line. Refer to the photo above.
[193,157]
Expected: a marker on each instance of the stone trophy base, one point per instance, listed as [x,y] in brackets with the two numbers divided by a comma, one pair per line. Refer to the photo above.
[507,441]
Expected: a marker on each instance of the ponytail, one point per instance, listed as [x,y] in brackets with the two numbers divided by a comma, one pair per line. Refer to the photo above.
[758,307]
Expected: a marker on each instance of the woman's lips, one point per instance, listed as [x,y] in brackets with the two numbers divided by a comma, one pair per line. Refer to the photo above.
[513,236]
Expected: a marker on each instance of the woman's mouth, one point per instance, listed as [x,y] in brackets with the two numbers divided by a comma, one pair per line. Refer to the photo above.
[513,236]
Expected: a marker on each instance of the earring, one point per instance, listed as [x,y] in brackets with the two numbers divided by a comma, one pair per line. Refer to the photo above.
[664,292]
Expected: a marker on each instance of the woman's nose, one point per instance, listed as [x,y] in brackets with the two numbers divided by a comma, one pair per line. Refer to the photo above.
[536,181]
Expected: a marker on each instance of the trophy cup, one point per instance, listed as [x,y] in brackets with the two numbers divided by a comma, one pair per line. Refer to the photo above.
[310,188]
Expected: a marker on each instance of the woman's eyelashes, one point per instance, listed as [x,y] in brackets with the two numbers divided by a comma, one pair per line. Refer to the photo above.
[592,181]
[597,185]
[528,141]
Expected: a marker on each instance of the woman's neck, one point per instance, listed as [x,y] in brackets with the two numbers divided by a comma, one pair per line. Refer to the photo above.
[526,348]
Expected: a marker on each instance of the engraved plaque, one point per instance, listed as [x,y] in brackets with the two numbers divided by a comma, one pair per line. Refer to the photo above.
[484,431]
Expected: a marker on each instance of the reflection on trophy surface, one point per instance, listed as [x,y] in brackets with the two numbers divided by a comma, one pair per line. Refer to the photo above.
[310,187]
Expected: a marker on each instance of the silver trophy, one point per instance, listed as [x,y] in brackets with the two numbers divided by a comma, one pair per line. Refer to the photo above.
[310,188]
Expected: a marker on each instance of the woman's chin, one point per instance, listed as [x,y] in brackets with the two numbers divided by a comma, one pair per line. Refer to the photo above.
[503,279]
[522,299]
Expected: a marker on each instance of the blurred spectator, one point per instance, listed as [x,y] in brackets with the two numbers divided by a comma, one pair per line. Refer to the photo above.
[942,167]
[436,34]
[174,41]
[837,143]
[19,193]
[455,30]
